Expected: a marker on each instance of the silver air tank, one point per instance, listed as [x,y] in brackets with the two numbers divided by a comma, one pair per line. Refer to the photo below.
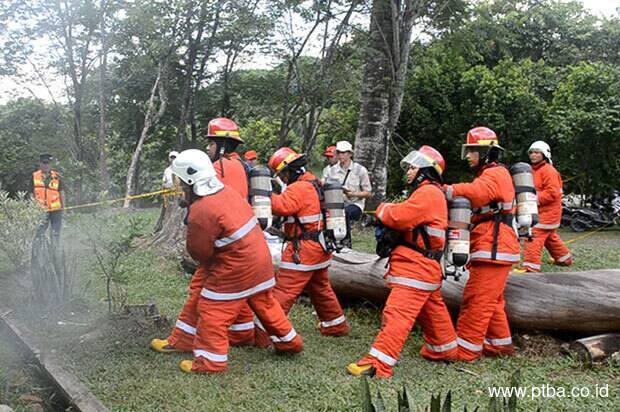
[336,223]
[527,201]
[260,195]
[459,219]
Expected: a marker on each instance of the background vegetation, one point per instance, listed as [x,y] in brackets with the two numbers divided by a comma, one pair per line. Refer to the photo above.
[289,72]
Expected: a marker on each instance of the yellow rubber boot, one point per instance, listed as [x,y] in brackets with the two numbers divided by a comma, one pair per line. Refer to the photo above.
[186,366]
[520,270]
[163,346]
[357,370]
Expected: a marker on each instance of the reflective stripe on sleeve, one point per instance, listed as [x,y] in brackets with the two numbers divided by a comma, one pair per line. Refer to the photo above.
[435,232]
[238,234]
[531,265]
[309,219]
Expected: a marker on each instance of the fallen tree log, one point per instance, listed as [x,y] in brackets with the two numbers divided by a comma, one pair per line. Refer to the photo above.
[583,302]
[596,348]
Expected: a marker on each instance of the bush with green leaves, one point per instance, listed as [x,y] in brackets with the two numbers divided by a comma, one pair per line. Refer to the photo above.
[19,218]
[110,254]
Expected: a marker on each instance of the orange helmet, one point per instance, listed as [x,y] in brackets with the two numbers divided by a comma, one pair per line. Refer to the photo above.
[330,151]
[250,155]
[283,157]
[223,127]
[426,156]
[480,137]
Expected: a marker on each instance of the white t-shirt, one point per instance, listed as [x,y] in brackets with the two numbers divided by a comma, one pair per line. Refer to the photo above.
[357,180]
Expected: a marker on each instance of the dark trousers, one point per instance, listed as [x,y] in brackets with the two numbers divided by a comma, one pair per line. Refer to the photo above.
[351,213]
[53,219]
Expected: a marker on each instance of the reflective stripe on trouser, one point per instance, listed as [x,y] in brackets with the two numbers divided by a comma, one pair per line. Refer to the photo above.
[532,254]
[482,311]
[216,317]
[290,284]
[182,337]
[404,306]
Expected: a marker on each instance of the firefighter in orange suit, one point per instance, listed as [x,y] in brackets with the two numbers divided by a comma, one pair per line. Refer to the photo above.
[223,236]
[304,260]
[414,275]
[222,138]
[48,191]
[482,325]
[548,183]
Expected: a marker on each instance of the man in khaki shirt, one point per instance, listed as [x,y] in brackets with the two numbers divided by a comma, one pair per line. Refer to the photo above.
[355,181]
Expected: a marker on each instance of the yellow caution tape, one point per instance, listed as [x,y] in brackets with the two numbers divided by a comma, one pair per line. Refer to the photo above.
[585,235]
[165,192]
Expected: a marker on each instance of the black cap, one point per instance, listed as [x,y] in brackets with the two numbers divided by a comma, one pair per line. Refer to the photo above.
[45,158]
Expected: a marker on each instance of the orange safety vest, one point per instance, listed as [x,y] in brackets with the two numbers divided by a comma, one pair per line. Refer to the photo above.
[48,194]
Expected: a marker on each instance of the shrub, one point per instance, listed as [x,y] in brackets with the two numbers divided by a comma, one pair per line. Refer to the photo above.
[19,218]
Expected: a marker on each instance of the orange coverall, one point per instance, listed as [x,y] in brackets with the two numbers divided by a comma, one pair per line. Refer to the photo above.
[415,281]
[301,199]
[224,236]
[482,322]
[241,332]
[548,183]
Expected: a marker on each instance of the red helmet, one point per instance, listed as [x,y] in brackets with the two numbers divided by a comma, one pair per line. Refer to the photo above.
[223,127]
[250,155]
[426,156]
[330,151]
[282,158]
[480,137]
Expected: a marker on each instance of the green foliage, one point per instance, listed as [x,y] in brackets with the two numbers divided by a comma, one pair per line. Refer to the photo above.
[261,135]
[584,118]
[19,219]
[110,255]
[496,404]
[518,67]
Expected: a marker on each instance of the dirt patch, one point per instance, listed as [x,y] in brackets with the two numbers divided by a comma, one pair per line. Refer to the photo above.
[539,345]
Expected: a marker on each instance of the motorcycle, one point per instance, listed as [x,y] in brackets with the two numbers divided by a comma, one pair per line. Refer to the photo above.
[601,214]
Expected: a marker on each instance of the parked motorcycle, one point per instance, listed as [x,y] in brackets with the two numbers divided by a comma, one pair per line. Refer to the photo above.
[602,213]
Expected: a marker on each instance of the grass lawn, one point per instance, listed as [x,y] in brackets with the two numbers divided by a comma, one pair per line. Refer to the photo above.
[111,353]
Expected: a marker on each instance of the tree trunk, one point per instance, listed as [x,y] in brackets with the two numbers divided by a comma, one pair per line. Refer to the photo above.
[102,136]
[150,119]
[382,91]
[583,302]
[192,78]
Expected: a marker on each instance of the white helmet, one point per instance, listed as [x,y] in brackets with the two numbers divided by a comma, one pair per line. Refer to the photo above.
[541,147]
[194,167]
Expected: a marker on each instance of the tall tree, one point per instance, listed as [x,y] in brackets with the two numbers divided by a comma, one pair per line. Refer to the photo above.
[153,30]
[201,15]
[385,69]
